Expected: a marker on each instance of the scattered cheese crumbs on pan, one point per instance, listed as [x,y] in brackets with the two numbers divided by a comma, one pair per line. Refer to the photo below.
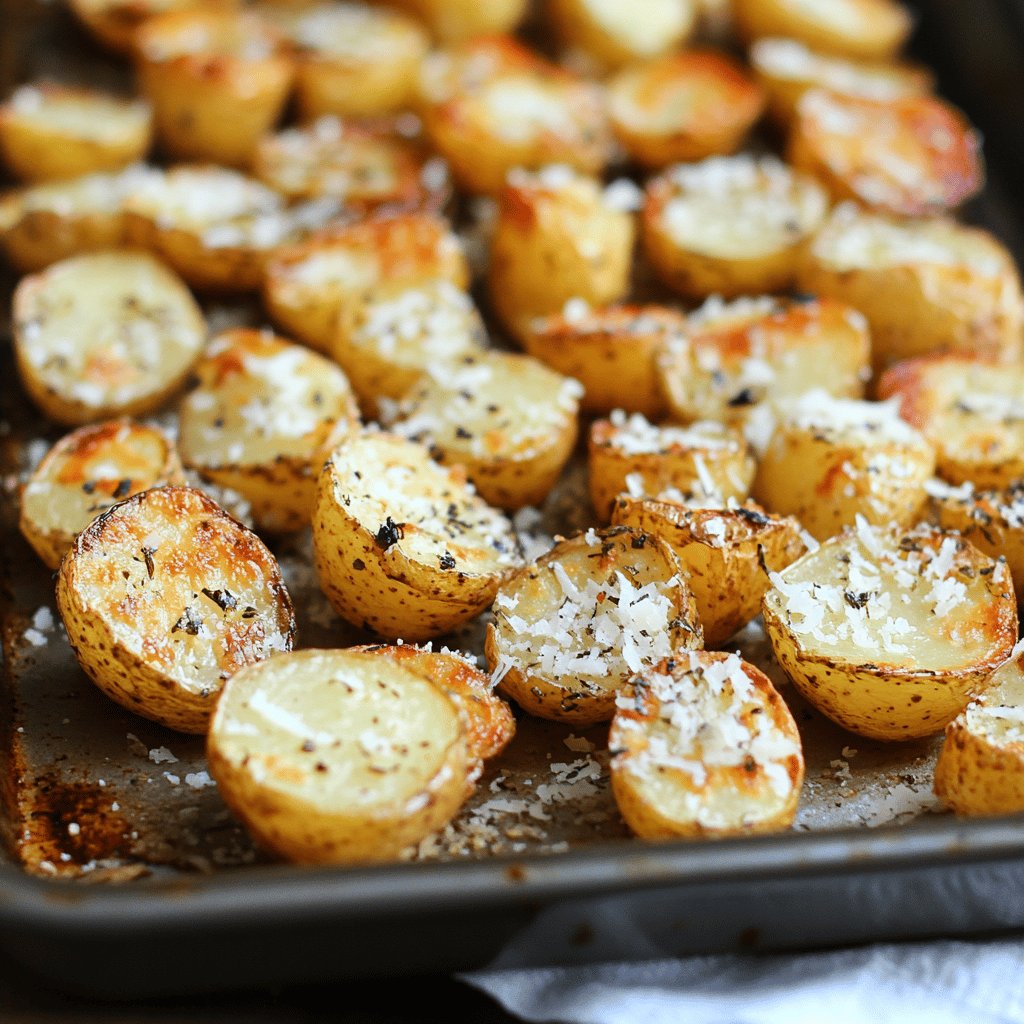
[161,755]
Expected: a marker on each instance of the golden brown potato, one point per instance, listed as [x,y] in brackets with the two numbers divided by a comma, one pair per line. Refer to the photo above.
[165,596]
[683,107]
[924,285]
[115,22]
[492,104]
[570,631]
[402,546]
[890,633]
[729,225]
[706,748]
[217,80]
[105,334]
[301,753]
[725,552]
[51,132]
[455,21]
[85,473]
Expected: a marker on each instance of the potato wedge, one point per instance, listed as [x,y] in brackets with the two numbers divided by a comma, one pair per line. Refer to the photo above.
[51,132]
[725,552]
[164,596]
[571,629]
[402,546]
[338,757]
[104,334]
[831,460]
[506,418]
[264,417]
[704,748]
[85,473]
[729,225]
[924,285]
[980,770]
[890,633]
[455,21]
[115,22]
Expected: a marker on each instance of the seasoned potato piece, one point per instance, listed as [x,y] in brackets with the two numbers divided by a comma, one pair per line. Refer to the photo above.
[217,227]
[307,285]
[787,69]
[338,757]
[164,596]
[725,552]
[557,237]
[114,22]
[831,460]
[610,350]
[364,164]
[614,34]
[707,748]
[454,21]
[912,156]
[217,80]
[924,285]
[104,334]
[684,106]
[628,454]
[493,104]
[570,631]
[86,472]
[388,337]
[50,132]
[858,29]
[729,225]
[970,408]
[506,418]
[888,632]
[403,547]
[980,770]
[740,359]
[264,417]
[45,223]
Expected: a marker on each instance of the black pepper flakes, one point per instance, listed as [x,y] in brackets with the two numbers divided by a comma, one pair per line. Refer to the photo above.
[388,534]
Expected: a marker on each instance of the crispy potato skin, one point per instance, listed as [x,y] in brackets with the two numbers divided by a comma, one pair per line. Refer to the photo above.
[452,22]
[114,23]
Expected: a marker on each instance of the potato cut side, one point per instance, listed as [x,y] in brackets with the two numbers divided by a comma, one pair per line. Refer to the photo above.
[114,22]
[980,770]
[455,21]
[85,473]
[104,334]
[683,107]
[704,746]
[264,417]
[726,554]
[832,459]
[729,225]
[402,545]
[338,757]
[570,630]
[164,597]
[888,632]
[506,418]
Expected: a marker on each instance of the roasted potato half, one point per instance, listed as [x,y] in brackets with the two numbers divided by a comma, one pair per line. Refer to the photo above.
[685,106]
[104,334]
[307,285]
[832,459]
[924,285]
[980,770]
[725,552]
[570,630]
[492,104]
[85,473]
[264,417]
[402,546]
[729,225]
[115,22]
[890,633]
[164,596]
[509,420]
[217,81]
[628,454]
[51,132]
[455,21]
[704,747]
[338,757]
